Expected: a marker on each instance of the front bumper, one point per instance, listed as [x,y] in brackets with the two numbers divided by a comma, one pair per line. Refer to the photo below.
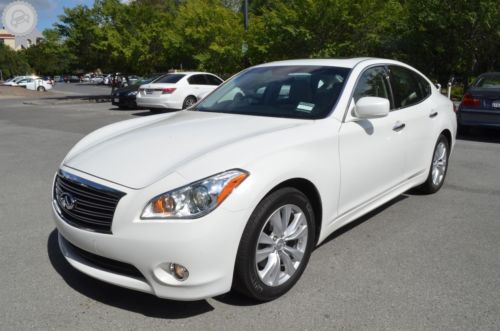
[206,246]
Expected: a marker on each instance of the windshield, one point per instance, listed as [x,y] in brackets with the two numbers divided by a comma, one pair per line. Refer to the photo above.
[307,92]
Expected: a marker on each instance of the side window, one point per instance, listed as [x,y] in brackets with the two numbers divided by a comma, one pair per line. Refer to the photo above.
[197,80]
[212,80]
[372,84]
[406,87]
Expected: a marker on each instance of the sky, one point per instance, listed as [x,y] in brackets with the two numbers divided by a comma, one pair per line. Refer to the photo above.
[49,10]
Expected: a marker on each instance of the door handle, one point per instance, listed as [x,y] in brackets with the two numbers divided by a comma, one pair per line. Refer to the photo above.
[399,126]
[433,114]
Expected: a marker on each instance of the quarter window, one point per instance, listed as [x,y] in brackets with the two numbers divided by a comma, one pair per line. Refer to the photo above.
[212,80]
[197,80]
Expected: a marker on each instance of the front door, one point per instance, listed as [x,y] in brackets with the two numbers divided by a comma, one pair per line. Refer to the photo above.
[372,151]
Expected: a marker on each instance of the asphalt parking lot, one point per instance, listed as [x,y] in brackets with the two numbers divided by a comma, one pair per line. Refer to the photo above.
[418,262]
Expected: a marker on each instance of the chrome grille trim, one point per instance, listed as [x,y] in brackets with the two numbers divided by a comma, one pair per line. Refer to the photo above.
[94,205]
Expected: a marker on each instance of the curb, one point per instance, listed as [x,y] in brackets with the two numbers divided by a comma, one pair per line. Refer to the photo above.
[70,100]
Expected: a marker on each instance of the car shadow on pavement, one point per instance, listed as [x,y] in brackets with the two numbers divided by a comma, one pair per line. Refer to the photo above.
[147,112]
[142,303]
[362,219]
[480,134]
[236,299]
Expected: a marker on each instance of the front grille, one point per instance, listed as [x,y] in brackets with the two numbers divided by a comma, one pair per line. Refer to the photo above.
[104,263]
[85,204]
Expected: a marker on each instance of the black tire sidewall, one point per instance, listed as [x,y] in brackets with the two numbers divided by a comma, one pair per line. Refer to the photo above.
[429,186]
[185,105]
[247,279]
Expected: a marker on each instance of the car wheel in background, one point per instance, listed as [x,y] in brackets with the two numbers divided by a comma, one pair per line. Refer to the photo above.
[438,168]
[276,245]
[188,102]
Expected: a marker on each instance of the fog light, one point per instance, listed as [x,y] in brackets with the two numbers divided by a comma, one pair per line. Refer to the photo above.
[179,271]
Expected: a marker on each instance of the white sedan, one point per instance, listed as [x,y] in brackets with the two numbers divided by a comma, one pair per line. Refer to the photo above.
[237,191]
[177,90]
[39,85]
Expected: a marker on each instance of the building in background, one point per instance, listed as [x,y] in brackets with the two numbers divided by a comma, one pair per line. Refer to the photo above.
[23,42]
[7,39]
[20,42]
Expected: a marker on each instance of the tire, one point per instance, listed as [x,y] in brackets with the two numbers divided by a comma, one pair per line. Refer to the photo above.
[439,163]
[250,277]
[188,102]
[41,89]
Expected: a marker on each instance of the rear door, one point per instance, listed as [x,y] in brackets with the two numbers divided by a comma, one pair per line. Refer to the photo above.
[412,100]
[372,151]
[198,85]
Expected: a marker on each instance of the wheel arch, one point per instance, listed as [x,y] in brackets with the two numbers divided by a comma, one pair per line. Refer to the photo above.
[447,134]
[312,193]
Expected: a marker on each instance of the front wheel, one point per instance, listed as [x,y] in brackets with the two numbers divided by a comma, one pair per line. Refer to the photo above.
[439,167]
[276,245]
[41,89]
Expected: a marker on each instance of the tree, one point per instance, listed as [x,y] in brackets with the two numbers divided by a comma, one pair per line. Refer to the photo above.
[447,37]
[80,29]
[12,63]
[209,36]
[51,56]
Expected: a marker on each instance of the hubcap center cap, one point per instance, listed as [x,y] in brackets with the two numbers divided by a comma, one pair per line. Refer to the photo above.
[280,244]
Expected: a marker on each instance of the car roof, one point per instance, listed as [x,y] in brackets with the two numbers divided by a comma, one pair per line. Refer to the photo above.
[344,63]
[189,73]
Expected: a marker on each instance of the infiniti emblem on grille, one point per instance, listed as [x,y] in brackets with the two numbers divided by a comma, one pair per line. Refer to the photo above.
[67,201]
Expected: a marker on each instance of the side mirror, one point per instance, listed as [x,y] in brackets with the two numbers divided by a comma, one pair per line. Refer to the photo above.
[371,107]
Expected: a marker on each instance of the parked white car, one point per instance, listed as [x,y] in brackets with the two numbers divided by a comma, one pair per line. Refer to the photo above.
[97,80]
[239,189]
[19,80]
[177,90]
[25,81]
[39,85]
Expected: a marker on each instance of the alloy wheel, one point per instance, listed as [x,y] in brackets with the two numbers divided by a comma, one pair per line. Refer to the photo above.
[281,245]
[439,163]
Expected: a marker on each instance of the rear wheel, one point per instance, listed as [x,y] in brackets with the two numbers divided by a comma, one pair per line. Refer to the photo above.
[276,245]
[41,89]
[439,167]
[188,102]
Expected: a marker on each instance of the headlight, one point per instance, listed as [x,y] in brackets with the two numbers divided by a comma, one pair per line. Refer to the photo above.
[196,199]
[132,93]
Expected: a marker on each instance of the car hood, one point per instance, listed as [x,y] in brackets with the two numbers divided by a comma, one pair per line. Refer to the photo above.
[141,155]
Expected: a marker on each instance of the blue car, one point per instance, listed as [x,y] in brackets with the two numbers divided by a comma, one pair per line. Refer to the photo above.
[480,105]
